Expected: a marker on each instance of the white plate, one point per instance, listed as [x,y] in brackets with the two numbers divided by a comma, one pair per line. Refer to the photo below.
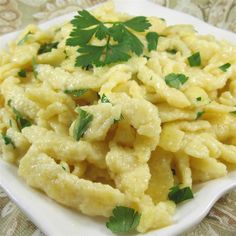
[56,220]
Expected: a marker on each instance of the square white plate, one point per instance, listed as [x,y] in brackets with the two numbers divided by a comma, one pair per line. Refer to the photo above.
[54,219]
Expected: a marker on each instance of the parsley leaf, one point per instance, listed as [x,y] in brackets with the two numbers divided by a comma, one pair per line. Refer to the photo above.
[199,114]
[84,20]
[89,54]
[124,41]
[24,39]
[199,99]
[195,59]
[75,92]
[34,66]
[124,220]
[152,39]
[47,47]
[139,23]
[225,67]
[175,80]
[22,73]
[82,124]
[104,99]
[7,140]
[178,194]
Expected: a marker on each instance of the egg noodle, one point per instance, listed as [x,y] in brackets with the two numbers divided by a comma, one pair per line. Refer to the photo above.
[123,134]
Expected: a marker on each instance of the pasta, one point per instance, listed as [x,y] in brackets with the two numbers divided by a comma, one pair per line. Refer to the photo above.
[144,132]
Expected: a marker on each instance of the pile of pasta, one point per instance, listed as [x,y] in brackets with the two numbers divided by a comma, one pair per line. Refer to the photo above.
[147,139]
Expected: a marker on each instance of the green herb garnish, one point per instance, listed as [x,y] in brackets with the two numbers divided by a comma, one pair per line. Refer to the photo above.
[225,67]
[152,39]
[172,51]
[76,92]
[24,39]
[82,124]
[34,66]
[63,167]
[175,80]
[195,59]
[47,47]
[124,220]
[7,140]
[199,114]
[121,34]
[22,73]
[178,194]
[199,99]
[233,112]
[104,99]
[22,122]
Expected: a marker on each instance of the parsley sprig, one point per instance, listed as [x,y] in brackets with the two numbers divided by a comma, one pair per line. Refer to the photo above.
[119,39]
[124,220]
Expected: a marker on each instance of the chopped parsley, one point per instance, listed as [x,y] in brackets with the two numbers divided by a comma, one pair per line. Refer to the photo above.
[178,194]
[82,124]
[225,67]
[24,39]
[47,47]
[152,40]
[76,92]
[22,73]
[199,114]
[63,167]
[233,112]
[21,121]
[104,99]
[199,99]
[195,59]
[119,37]
[124,220]
[34,66]
[172,51]
[7,140]
[175,80]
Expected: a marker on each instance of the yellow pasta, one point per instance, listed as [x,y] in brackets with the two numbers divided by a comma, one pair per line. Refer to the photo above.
[144,135]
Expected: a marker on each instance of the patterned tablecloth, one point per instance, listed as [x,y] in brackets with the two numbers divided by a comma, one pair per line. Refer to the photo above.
[15,14]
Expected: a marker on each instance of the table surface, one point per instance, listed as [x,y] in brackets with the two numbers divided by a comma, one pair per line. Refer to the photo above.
[15,14]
